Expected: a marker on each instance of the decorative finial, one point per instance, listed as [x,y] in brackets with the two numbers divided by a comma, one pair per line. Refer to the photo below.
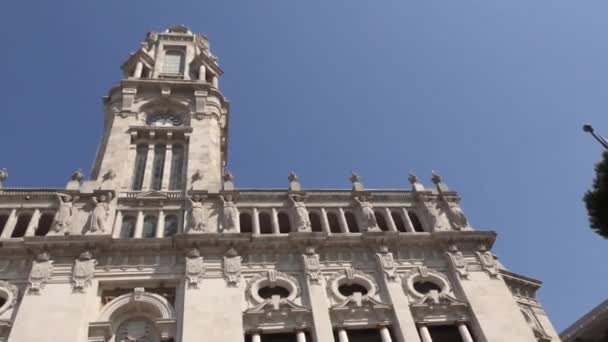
[77,175]
[356,180]
[412,178]
[294,182]
[436,179]
[3,176]
[228,181]
[416,185]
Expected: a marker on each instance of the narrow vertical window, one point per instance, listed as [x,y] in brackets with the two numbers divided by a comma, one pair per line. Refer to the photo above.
[173,63]
[284,223]
[127,228]
[21,226]
[158,166]
[3,220]
[334,223]
[351,221]
[415,222]
[265,223]
[149,230]
[245,223]
[398,221]
[170,228]
[381,221]
[177,167]
[44,224]
[140,166]
[315,222]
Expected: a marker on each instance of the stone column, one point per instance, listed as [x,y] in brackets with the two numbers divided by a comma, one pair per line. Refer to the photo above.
[215,82]
[275,222]
[202,72]
[138,68]
[405,326]
[342,218]
[389,219]
[117,225]
[160,225]
[139,225]
[10,224]
[255,337]
[322,328]
[300,336]
[256,221]
[408,223]
[385,334]
[145,185]
[33,224]
[167,167]
[464,332]
[342,336]
[425,335]
[324,221]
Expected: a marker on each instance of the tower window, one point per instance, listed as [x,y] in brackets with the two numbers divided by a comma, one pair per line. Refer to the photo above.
[265,223]
[398,221]
[149,230]
[44,224]
[315,222]
[349,289]
[334,224]
[158,167]
[177,167]
[170,228]
[415,222]
[445,333]
[174,62]
[245,223]
[284,224]
[351,221]
[381,221]
[140,166]
[267,292]
[21,227]
[3,219]
[127,228]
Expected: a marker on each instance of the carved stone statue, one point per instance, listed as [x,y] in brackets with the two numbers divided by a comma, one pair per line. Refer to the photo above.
[195,268]
[301,217]
[367,213]
[61,222]
[433,215]
[84,269]
[42,268]
[232,267]
[100,214]
[198,214]
[230,215]
[459,221]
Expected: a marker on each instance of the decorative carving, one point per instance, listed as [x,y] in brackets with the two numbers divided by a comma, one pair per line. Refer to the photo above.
[230,215]
[367,213]
[416,185]
[312,265]
[488,263]
[457,261]
[294,182]
[232,267]
[3,176]
[302,219]
[433,214]
[83,272]
[138,293]
[457,218]
[77,175]
[42,268]
[12,293]
[198,215]
[228,181]
[272,278]
[387,263]
[356,180]
[99,216]
[352,276]
[62,221]
[195,268]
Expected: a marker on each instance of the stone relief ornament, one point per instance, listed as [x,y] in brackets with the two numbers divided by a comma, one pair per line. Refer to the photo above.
[195,268]
[61,222]
[456,215]
[433,215]
[387,263]
[367,213]
[100,214]
[488,263]
[312,266]
[11,293]
[232,267]
[301,214]
[42,267]
[83,272]
[230,215]
[457,261]
[197,214]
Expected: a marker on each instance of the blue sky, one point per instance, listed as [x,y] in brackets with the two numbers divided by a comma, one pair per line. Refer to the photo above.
[490,94]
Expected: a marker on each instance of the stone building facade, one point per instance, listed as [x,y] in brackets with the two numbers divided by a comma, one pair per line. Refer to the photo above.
[159,245]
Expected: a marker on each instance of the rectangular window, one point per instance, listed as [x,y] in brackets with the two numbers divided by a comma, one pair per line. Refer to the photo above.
[173,62]
[140,166]
[177,167]
[158,167]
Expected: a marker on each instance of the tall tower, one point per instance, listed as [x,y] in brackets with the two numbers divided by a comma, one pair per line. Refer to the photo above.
[166,123]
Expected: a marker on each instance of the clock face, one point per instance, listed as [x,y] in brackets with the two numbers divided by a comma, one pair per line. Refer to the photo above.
[164,120]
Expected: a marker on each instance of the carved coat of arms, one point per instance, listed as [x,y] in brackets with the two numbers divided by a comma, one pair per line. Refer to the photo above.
[232,267]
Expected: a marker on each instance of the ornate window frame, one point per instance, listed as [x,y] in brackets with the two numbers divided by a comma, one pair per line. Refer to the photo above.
[351,276]
[11,293]
[272,278]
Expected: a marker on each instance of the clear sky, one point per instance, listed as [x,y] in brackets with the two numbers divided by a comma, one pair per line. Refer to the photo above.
[491,94]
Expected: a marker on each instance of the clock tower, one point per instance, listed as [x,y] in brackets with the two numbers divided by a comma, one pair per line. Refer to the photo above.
[166,123]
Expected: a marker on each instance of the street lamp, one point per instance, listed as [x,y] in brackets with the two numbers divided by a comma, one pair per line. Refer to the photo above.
[599,138]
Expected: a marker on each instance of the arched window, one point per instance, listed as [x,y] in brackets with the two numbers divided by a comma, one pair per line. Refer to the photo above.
[415,222]
[284,224]
[21,227]
[3,219]
[149,230]
[177,167]
[381,221]
[351,221]
[158,166]
[265,223]
[173,63]
[245,223]
[127,228]
[315,222]
[398,221]
[170,228]
[140,166]
[137,329]
[334,223]
[44,224]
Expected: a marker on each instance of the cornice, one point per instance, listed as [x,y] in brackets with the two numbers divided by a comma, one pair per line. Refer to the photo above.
[598,313]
